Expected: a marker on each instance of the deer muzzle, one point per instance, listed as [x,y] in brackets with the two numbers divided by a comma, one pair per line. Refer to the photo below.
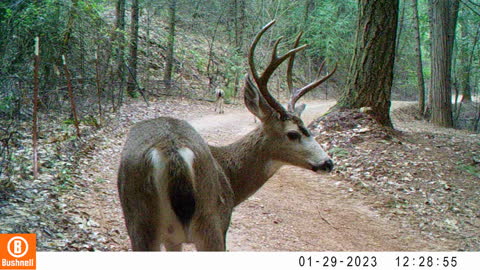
[326,166]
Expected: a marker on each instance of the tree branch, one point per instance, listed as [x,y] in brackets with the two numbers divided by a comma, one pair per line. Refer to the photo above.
[469,7]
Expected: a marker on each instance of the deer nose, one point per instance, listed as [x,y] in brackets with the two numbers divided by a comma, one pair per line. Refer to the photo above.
[325,166]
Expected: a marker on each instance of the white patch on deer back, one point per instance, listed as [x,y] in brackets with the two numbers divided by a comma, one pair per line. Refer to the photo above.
[188,156]
[170,229]
[158,163]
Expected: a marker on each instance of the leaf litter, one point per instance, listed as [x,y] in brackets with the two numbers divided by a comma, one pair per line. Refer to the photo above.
[418,175]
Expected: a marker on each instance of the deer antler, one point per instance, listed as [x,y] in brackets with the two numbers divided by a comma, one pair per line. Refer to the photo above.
[262,80]
[290,69]
[298,93]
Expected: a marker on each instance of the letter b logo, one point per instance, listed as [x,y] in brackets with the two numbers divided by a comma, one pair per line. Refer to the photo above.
[17,246]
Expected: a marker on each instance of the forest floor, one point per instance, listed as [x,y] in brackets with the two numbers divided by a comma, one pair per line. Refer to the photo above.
[411,189]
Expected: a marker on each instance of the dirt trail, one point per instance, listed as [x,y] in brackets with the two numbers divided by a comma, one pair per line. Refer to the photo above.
[296,210]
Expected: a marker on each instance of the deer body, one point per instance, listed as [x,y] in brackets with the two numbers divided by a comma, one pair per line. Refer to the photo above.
[164,160]
[219,100]
[175,188]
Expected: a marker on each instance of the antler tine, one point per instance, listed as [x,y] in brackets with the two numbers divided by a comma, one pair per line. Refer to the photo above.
[290,68]
[251,52]
[321,67]
[302,91]
[275,61]
[274,49]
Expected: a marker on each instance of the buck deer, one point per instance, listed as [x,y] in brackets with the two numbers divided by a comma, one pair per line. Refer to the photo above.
[219,96]
[175,188]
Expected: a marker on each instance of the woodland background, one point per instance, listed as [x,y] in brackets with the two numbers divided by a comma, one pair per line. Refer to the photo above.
[190,47]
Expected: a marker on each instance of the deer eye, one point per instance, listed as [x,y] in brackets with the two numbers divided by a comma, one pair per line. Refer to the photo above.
[294,136]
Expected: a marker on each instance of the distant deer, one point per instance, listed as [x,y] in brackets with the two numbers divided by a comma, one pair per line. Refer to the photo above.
[175,188]
[219,99]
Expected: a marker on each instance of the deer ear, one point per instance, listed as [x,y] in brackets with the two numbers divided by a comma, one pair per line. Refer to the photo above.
[299,109]
[255,103]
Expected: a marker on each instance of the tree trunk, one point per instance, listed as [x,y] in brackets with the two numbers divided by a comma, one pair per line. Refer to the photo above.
[309,7]
[397,67]
[73,106]
[132,79]
[463,57]
[371,70]
[428,107]
[35,108]
[210,62]
[235,22]
[68,32]
[120,39]
[98,85]
[148,51]
[401,24]
[242,23]
[167,76]
[418,53]
[467,56]
[444,17]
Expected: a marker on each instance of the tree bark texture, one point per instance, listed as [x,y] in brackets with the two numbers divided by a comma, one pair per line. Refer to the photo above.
[464,69]
[120,38]
[167,76]
[418,54]
[371,71]
[466,56]
[242,24]
[132,79]
[428,107]
[73,106]
[444,14]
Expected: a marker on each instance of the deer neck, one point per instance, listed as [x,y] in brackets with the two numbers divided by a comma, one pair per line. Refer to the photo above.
[247,163]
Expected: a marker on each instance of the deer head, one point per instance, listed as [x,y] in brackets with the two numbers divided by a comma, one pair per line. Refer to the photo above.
[291,141]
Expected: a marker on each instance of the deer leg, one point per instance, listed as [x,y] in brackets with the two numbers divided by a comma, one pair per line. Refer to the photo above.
[208,236]
[217,105]
[144,237]
[143,223]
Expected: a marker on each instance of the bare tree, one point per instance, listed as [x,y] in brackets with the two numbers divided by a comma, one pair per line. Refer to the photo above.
[35,108]
[71,96]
